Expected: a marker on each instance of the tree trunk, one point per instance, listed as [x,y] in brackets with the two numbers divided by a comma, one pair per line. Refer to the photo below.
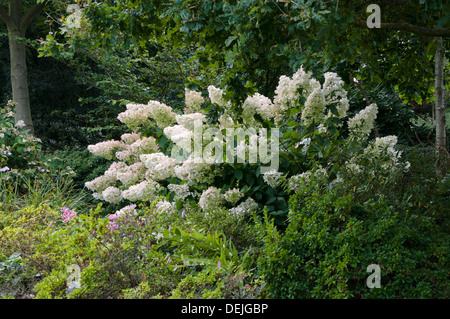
[19,78]
[17,22]
[441,146]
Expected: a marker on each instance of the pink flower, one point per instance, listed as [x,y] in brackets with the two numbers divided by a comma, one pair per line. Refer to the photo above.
[113,217]
[112,226]
[183,213]
[219,265]
[67,214]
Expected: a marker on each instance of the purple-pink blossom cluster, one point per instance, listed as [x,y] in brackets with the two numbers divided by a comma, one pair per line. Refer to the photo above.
[113,218]
[67,214]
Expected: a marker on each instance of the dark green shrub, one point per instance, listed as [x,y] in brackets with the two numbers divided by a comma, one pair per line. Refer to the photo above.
[85,165]
[332,239]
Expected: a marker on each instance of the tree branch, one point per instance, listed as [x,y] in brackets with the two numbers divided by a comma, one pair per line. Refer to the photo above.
[4,16]
[405,26]
[31,14]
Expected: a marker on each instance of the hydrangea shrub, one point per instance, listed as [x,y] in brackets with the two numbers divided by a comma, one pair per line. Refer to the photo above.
[307,117]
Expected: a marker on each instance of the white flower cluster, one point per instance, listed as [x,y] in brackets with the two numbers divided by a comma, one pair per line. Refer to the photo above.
[188,121]
[287,92]
[161,113]
[181,190]
[135,116]
[130,138]
[314,108]
[194,101]
[247,206]
[318,97]
[132,174]
[180,136]
[225,121]
[144,191]
[163,207]
[257,104]
[131,152]
[362,123]
[211,198]
[100,183]
[382,149]
[305,181]
[196,171]
[115,168]
[334,93]
[352,167]
[129,210]
[112,195]
[159,166]
[272,178]
[216,96]
[106,149]
[138,115]
[233,195]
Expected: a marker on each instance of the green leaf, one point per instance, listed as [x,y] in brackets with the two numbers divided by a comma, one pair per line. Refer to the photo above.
[238,174]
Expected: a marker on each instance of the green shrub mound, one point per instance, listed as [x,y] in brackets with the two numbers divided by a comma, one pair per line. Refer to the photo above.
[332,239]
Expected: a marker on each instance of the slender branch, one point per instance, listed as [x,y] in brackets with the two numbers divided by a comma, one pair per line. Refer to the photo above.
[4,16]
[31,14]
[405,26]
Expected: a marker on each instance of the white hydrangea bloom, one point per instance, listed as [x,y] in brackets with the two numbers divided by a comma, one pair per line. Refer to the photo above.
[135,116]
[353,168]
[100,183]
[188,121]
[257,104]
[144,191]
[216,96]
[362,123]
[163,207]
[210,199]
[115,168]
[127,210]
[98,196]
[181,190]
[335,94]
[272,178]
[287,91]
[161,113]
[233,195]
[181,136]
[132,174]
[196,170]
[130,138]
[383,150]
[247,206]
[20,124]
[127,155]
[106,149]
[159,165]
[144,145]
[225,121]
[194,101]
[305,180]
[314,108]
[112,195]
